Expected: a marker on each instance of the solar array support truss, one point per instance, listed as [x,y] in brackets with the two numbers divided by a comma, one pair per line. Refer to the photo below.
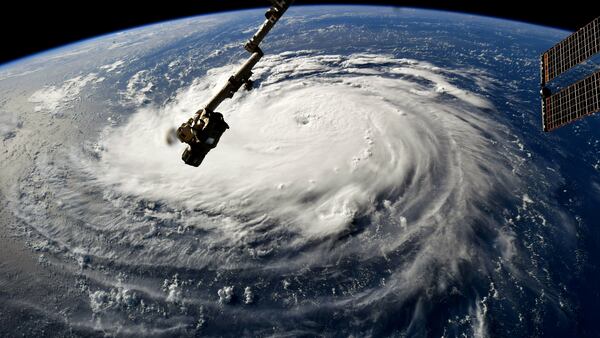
[580,98]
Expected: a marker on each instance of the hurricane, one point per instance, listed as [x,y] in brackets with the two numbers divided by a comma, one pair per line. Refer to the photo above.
[332,164]
[362,193]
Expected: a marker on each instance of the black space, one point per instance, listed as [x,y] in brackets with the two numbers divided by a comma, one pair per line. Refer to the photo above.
[30,27]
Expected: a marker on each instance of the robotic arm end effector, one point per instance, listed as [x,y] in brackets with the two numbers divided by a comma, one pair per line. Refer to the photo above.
[201,133]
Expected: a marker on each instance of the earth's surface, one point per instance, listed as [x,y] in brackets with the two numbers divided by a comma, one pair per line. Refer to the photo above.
[387,176]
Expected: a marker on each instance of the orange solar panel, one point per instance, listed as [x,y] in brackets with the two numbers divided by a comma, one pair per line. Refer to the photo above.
[571,51]
[572,103]
[581,98]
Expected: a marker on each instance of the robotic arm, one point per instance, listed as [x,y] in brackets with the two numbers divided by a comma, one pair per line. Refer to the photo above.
[203,131]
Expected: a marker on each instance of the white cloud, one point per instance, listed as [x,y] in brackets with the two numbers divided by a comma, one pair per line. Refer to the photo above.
[111,67]
[9,123]
[138,88]
[316,119]
[54,99]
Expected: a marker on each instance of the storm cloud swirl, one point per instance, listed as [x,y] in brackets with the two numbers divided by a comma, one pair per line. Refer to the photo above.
[348,188]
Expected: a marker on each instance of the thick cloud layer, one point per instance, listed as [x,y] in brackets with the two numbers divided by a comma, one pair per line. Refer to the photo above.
[358,180]
[324,143]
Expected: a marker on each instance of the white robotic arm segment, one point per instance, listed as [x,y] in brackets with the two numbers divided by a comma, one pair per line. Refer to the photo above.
[273,14]
[209,125]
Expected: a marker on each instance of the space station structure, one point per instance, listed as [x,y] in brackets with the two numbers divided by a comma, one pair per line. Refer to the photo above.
[203,131]
[581,98]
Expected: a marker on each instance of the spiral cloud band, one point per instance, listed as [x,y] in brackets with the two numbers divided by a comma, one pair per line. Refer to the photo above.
[360,179]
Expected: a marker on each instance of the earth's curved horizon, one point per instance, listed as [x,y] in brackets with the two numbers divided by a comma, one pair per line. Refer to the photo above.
[388,176]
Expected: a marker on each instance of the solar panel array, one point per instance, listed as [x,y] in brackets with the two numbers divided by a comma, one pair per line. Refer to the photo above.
[574,102]
[581,98]
[573,50]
